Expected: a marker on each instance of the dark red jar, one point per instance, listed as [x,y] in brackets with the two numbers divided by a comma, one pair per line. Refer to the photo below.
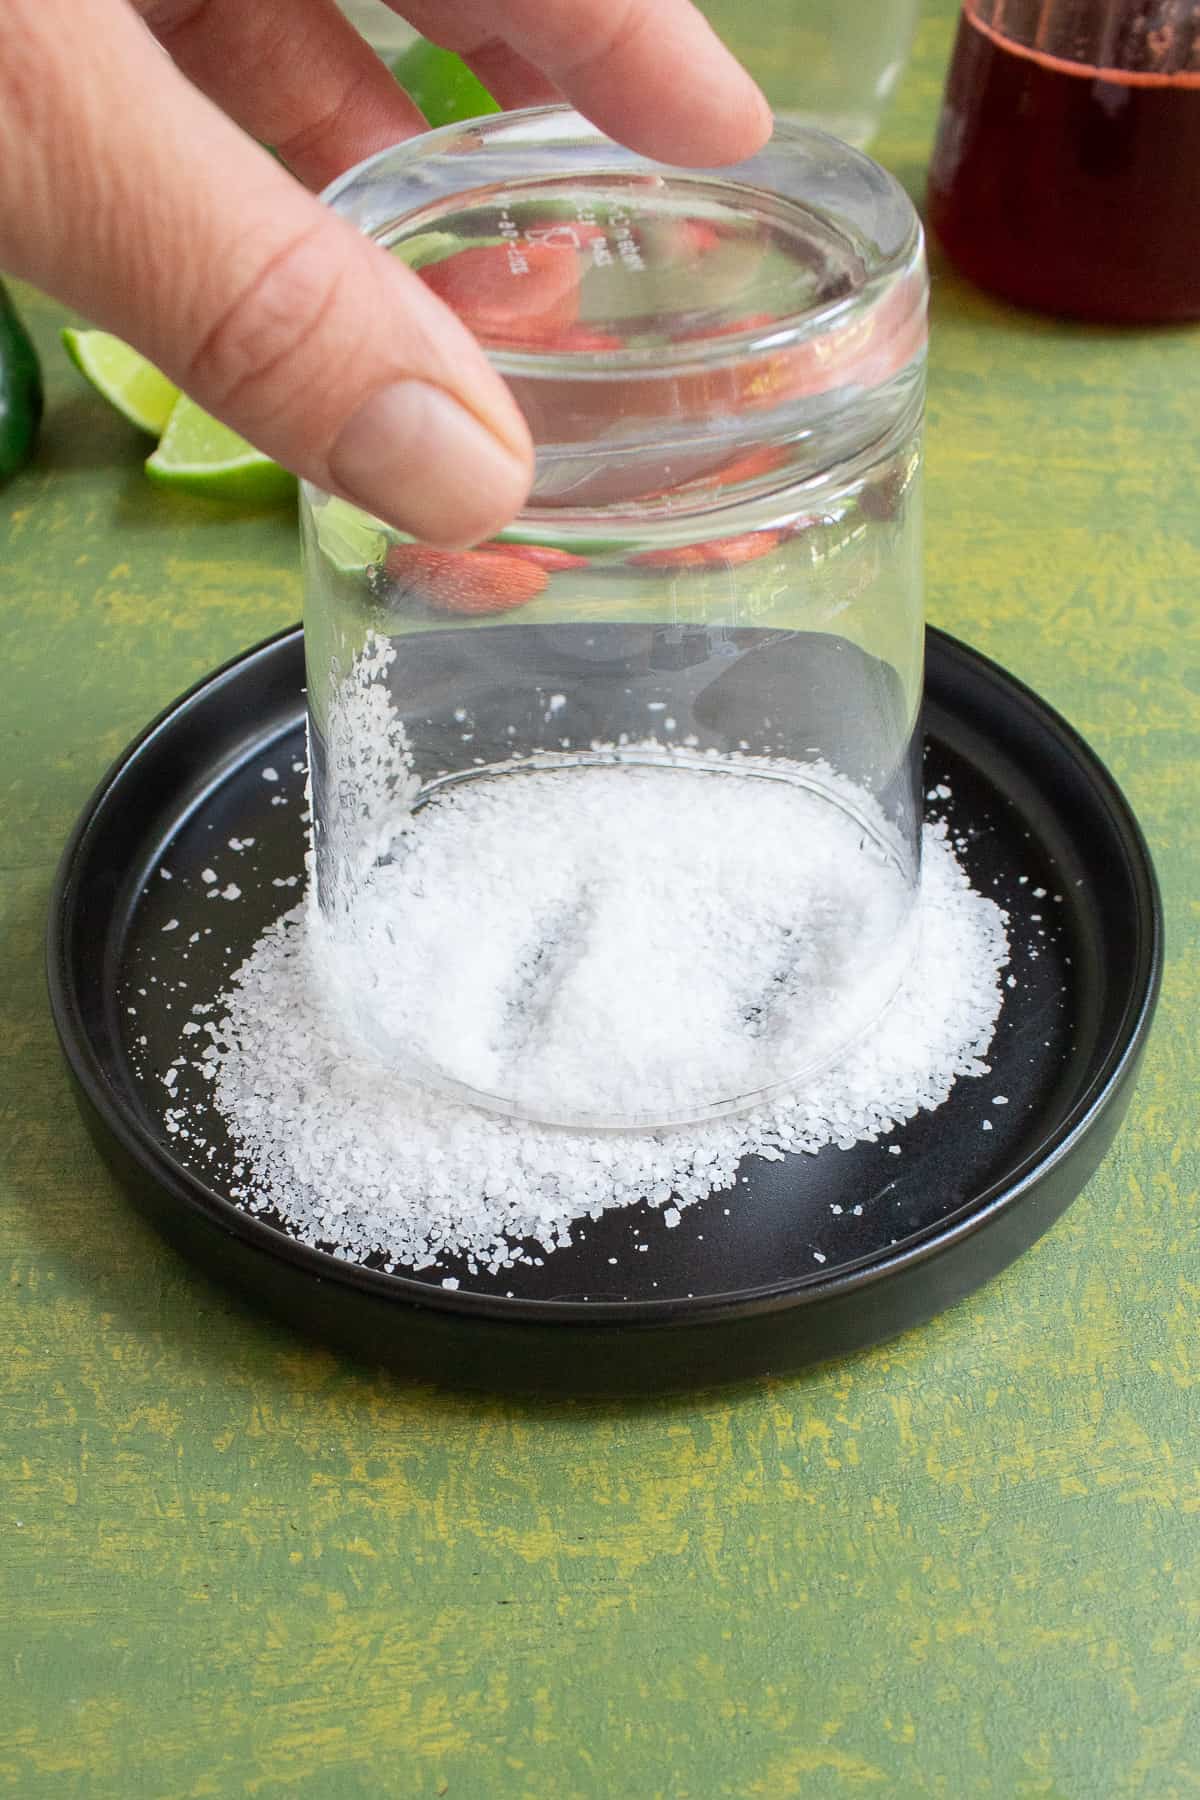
[1066,174]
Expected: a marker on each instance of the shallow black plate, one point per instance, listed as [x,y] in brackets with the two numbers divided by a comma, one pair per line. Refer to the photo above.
[803,1259]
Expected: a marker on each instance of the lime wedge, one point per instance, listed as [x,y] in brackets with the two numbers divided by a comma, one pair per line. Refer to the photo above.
[127,381]
[349,539]
[201,456]
[441,84]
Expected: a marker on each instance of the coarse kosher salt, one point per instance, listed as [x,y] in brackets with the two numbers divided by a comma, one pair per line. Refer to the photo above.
[671,932]
[658,940]
[355,1158]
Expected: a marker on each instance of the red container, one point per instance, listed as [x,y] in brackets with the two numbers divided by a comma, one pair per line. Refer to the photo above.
[1066,174]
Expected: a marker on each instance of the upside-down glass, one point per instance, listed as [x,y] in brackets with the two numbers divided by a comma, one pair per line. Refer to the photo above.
[717,576]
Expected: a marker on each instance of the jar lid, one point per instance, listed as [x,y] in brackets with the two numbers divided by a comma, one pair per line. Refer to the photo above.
[659,325]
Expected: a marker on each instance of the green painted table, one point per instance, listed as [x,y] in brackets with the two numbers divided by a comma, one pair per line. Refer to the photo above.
[964,1565]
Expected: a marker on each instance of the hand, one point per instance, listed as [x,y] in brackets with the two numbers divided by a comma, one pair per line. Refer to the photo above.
[128,193]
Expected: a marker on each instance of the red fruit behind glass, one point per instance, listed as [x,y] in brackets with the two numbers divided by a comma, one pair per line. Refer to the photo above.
[1066,174]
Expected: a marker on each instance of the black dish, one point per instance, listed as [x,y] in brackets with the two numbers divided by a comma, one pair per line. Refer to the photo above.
[723,1296]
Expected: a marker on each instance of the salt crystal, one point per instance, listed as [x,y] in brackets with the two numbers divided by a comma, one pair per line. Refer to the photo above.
[171,925]
[270,774]
[208,875]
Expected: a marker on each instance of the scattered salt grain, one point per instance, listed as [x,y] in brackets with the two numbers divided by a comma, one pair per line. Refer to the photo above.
[171,925]
[270,774]
[208,876]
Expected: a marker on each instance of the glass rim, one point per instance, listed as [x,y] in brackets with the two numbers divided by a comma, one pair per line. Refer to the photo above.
[891,272]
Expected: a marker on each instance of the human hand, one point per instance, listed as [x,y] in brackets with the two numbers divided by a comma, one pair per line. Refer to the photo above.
[126,191]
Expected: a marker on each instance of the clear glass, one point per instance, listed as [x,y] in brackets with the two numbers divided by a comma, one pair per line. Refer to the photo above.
[831,64]
[1066,174]
[717,581]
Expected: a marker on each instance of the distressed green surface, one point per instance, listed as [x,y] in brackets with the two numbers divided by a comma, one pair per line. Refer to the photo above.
[965,1565]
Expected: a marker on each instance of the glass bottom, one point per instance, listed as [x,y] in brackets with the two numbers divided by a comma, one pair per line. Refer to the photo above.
[629,938]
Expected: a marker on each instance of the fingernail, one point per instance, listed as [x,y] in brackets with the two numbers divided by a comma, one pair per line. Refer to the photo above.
[417,458]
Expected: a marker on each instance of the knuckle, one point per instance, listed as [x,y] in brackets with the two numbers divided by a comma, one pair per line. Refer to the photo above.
[617,30]
[326,130]
[264,342]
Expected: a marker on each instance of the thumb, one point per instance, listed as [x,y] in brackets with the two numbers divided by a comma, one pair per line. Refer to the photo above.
[167,226]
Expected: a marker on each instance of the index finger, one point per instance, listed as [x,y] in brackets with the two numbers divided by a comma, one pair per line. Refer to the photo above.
[651,73]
